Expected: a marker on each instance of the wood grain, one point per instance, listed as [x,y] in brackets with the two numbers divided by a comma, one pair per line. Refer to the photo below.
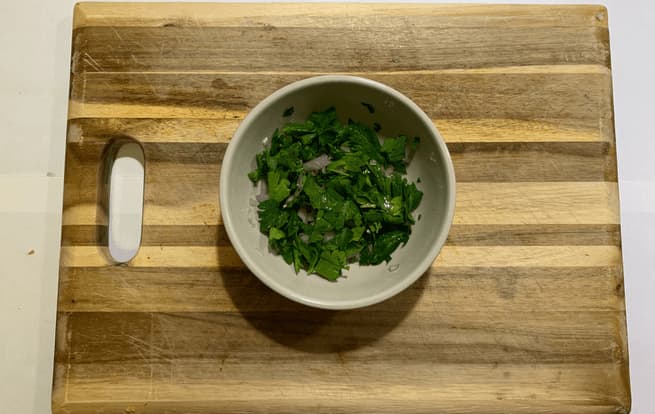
[219,130]
[474,161]
[479,256]
[268,47]
[460,234]
[522,312]
[460,94]
[508,288]
[336,15]
[476,203]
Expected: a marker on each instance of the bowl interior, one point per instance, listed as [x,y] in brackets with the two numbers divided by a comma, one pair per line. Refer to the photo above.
[363,285]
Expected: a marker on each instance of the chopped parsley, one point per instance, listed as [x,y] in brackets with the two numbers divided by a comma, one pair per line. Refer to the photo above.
[336,194]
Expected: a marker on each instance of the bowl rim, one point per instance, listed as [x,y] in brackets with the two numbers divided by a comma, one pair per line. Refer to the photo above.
[403,283]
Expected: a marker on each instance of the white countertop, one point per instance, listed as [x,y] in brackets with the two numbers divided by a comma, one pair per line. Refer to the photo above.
[34,68]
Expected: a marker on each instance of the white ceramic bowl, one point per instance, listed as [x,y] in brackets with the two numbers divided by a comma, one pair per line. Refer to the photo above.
[397,114]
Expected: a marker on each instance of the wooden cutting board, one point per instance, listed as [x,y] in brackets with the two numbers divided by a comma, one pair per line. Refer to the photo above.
[524,309]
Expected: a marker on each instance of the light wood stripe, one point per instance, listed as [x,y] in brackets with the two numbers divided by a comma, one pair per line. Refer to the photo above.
[151,256]
[517,130]
[336,15]
[502,256]
[477,203]
[537,203]
[477,256]
[220,130]
[452,95]
[459,235]
[518,289]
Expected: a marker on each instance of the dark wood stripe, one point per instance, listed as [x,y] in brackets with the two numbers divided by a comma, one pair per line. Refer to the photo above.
[172,168]
[519,289]
[152,235]
[356,48]
[460,235]
[183,153]
[537,161]
[535,235]
[302,336]
[241,278]
[440,95]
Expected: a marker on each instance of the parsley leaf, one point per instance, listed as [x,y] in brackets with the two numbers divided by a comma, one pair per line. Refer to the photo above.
[380,250]
[278,186]
[393,150]
[276,234]
[330,264]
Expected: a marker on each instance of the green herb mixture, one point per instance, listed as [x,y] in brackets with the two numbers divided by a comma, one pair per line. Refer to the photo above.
[334,194]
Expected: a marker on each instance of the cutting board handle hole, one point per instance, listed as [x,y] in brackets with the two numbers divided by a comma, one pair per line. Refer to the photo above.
[121,195]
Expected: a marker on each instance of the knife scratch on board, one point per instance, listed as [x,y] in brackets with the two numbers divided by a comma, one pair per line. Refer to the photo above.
[118,35]
[92,62]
